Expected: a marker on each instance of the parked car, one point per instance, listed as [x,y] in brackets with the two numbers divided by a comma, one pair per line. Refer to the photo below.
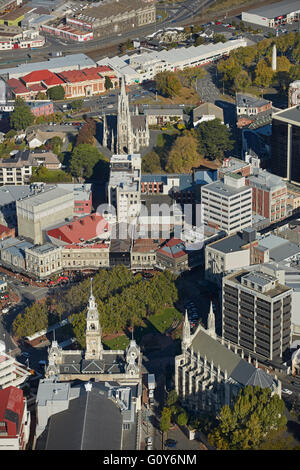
[5,310]
[170,443]
[286,391]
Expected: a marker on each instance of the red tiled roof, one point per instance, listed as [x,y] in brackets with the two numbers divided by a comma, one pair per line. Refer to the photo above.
[80,230]
[37,76]
[37,87]
[72,76]
[173,248]
[53,80]
[17,86]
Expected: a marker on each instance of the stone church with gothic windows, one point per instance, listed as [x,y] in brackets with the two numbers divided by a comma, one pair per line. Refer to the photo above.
[127,132]
[210,371]
[95,362]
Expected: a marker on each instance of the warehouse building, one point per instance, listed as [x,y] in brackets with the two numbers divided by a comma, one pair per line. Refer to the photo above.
[273,15]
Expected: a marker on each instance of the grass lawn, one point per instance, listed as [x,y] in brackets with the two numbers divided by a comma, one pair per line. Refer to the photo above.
[164,319]
[121,342]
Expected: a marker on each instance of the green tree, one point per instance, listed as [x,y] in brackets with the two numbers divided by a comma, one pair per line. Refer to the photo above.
[182,418]
[214,139]
[263,74]
[21,117]
[165,420]
[242,81]
[172,398]
[151,163]
[56,93]
[168,84]
[56,144]
[83,160]
[219,38]
[108,83]
[255,414]
[183,155]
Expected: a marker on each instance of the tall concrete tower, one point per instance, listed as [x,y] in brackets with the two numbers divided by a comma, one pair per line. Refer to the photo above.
[274,58]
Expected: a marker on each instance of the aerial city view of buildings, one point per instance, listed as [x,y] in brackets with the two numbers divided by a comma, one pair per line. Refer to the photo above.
[149,226]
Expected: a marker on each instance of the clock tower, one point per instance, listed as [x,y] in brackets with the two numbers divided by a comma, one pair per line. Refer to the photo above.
[93,331]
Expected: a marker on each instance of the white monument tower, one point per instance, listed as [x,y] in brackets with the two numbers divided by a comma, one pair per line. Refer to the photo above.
[274,58]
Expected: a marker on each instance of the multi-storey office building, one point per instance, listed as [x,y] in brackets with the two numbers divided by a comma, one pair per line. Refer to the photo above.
[227,204]
[286,144]
[256,312]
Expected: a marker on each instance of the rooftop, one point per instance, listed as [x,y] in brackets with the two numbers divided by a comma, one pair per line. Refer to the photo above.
[230,244]
[266,180]
[237,368]
[50,194]
[110,10]
[247,100]
[80,230]
[289,115]
[276,290]
[277,9]
[92,421]
[279,248]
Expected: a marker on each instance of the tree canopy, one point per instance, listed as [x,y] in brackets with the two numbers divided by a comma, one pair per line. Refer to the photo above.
[123,300]
[183,155]
[21,117]
[167,84]
[214,139]
[254,415]
[83,160]
[56,93]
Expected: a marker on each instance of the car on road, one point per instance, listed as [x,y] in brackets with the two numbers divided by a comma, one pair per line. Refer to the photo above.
[218,22]
[287,391]
[170,443]
[110,106]
[5,310]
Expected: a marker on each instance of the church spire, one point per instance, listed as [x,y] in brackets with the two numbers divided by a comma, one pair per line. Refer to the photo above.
[124,132]
[186,332]
[211,322]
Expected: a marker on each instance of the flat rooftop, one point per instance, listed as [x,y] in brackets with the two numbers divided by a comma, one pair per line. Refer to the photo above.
[222,189]
[278,290]
[277,9]
[289,115]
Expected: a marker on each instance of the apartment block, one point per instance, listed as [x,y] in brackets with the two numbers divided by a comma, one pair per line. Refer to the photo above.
[256,312]
[227,204]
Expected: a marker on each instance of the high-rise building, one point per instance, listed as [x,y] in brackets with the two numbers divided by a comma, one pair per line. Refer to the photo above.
[124,186]
[285,161]
[227,204]
[256,312]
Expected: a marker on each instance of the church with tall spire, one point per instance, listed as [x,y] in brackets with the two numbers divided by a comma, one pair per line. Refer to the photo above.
[210,371]
[127,132]
[94,362]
